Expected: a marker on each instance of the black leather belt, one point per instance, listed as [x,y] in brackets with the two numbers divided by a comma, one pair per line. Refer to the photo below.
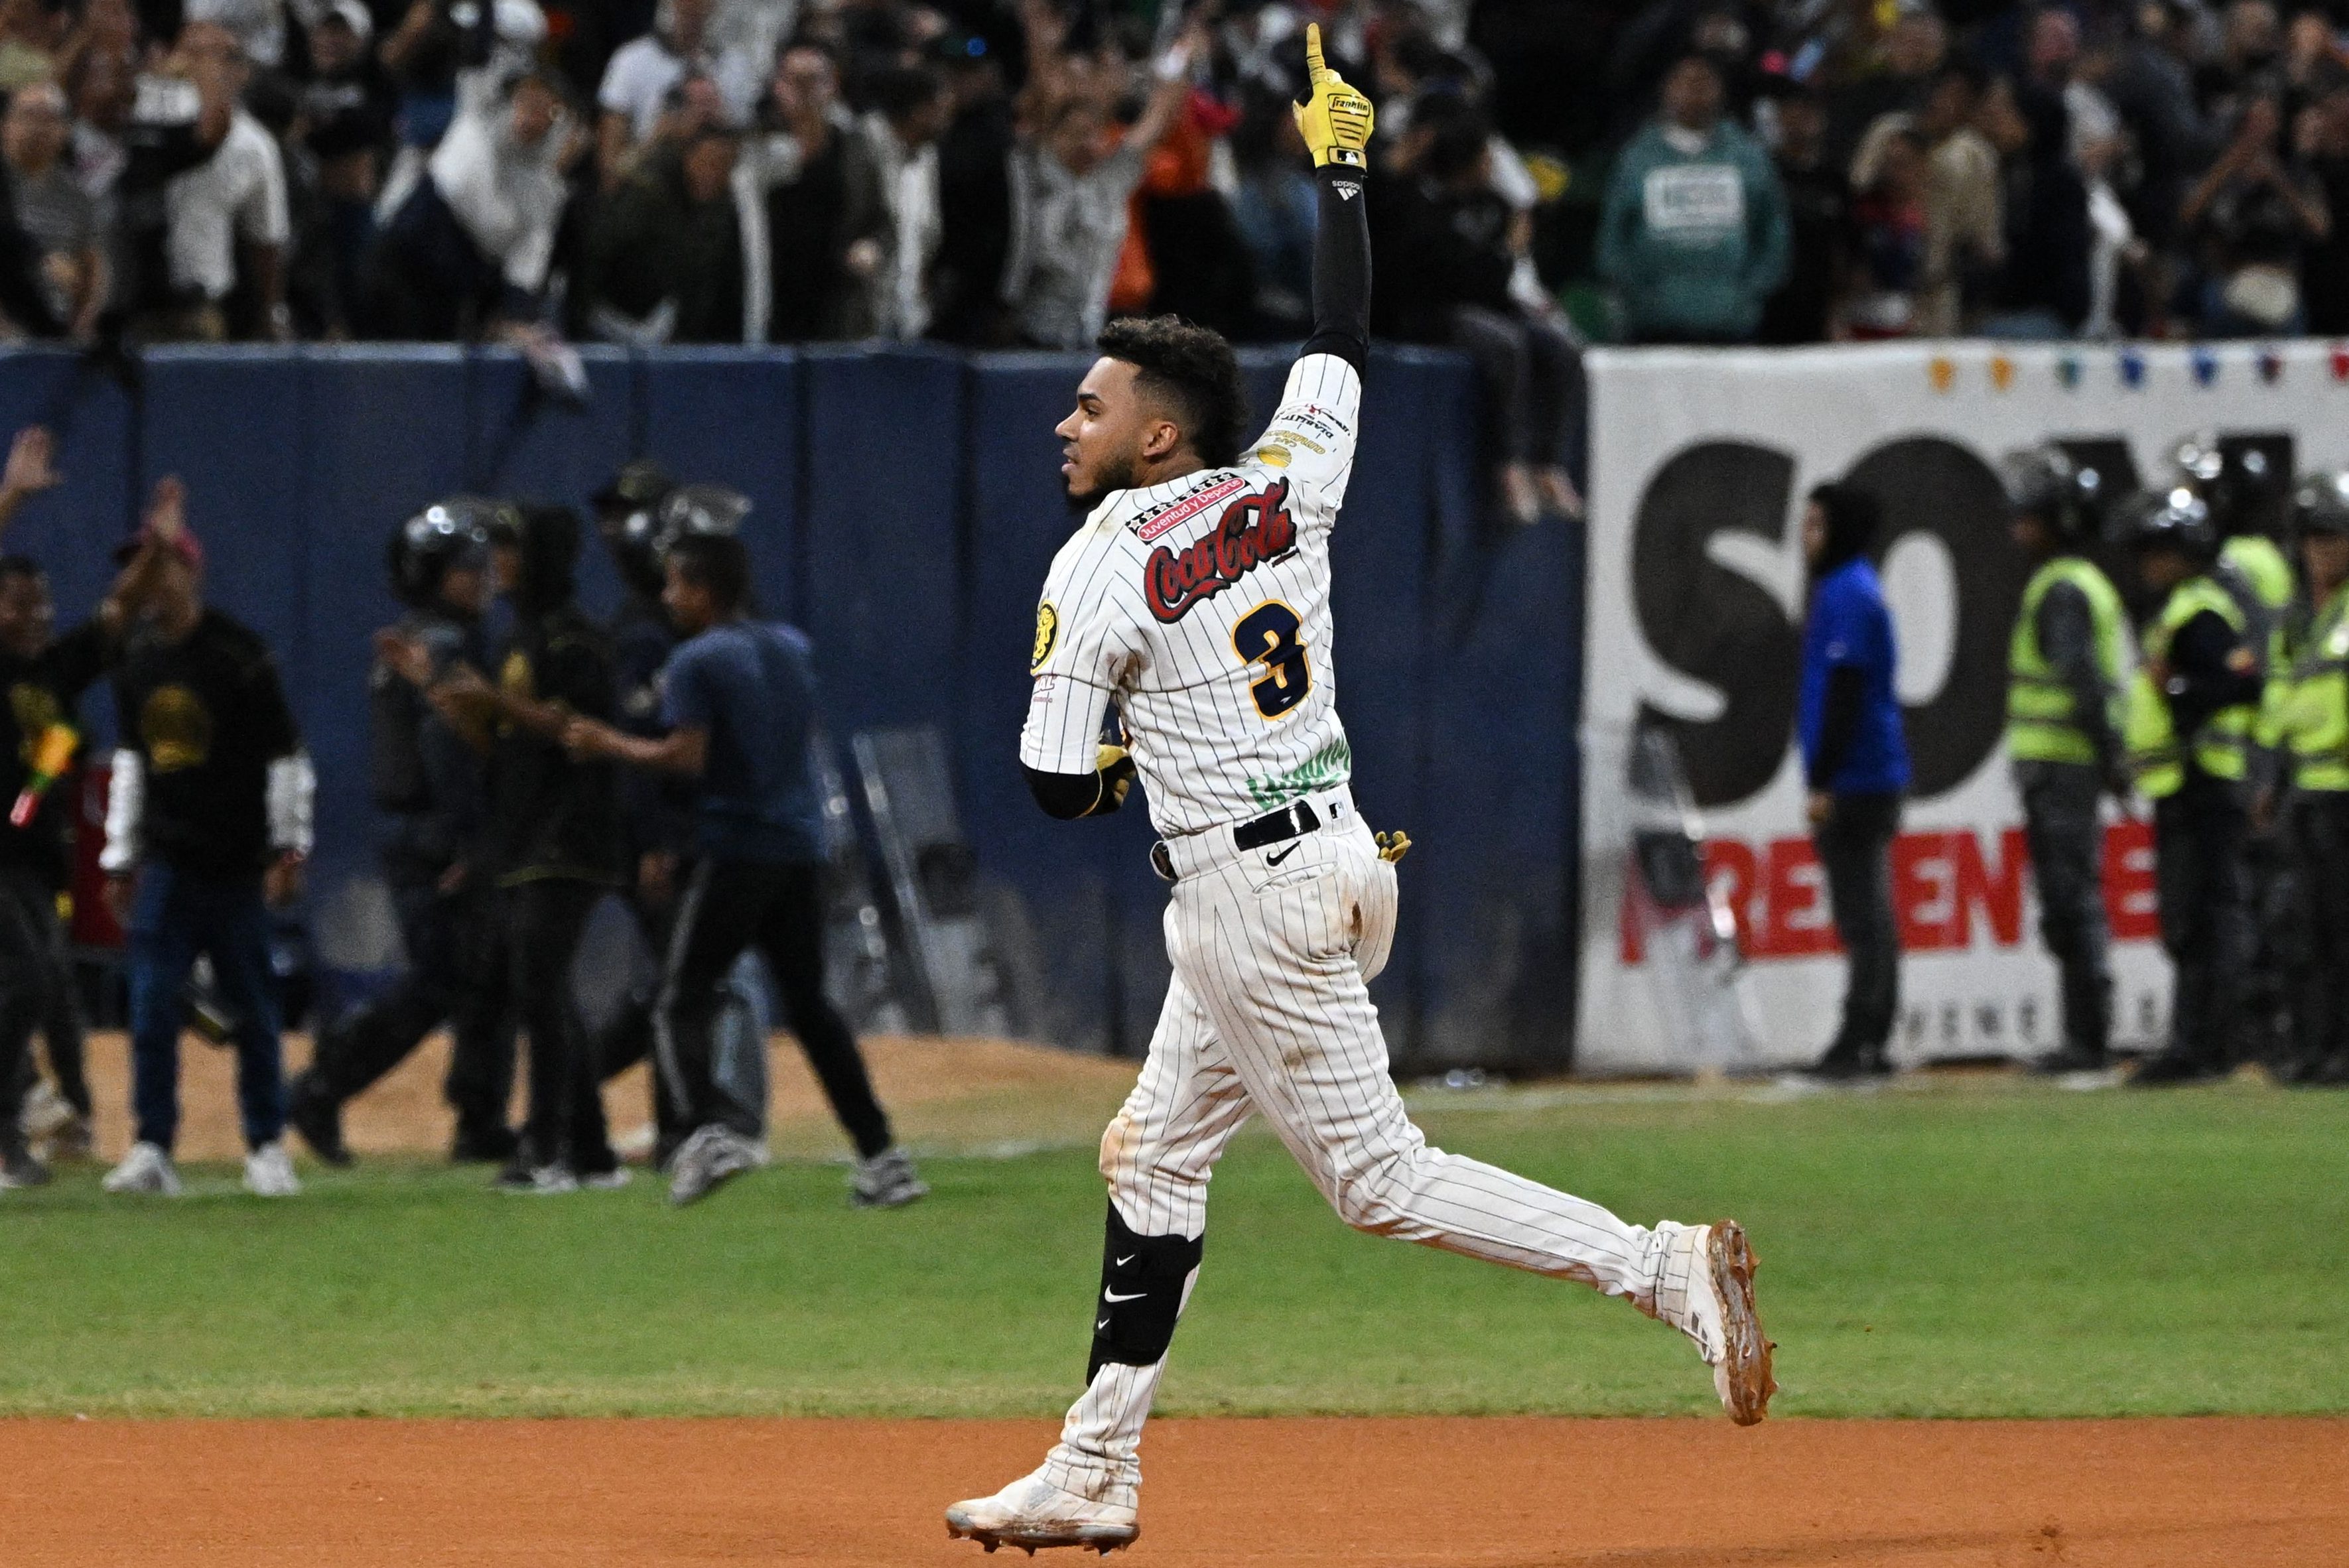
[1279,827]
[1273,828]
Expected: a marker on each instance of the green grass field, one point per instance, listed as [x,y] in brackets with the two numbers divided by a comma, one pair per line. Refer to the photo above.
[1979,1248]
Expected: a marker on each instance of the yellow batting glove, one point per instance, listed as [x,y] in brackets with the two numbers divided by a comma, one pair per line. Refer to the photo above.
[1393,846]
[1117,770]
[1335,121]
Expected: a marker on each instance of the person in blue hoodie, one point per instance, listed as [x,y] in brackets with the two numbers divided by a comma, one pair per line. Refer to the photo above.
[1856,762]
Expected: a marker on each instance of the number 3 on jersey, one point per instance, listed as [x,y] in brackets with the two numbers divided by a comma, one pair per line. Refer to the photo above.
[1266,636]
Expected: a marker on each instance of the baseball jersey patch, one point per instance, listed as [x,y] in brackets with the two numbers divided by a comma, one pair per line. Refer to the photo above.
[1165,519]
[1048,633]
[1254,530]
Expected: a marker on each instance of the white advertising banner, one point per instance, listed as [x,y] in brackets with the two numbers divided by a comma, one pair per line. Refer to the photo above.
[1699,460]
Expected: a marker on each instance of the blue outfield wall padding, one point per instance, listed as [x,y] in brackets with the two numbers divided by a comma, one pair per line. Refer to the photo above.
[732,416]
[1496,974]
[880,591]
[232,425]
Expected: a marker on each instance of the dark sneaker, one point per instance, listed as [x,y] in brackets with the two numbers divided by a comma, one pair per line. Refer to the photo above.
[20,1169]
[317,1116]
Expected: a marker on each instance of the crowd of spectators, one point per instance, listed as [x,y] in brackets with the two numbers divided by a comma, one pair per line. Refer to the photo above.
[1011,173]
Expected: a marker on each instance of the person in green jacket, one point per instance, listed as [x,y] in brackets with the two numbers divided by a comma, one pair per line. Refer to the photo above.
[1695,235]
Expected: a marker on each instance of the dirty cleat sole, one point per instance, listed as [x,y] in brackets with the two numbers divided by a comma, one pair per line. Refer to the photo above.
[1102,1538]
[1742,1376]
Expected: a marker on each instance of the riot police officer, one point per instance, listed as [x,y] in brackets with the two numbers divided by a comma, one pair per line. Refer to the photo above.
[2241,488]
[2067,666]
[2244,486]
[2305,716]
[430,785]
[2187,728]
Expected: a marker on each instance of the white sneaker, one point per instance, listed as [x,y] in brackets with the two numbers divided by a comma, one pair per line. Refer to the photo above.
[269,1171]
[146,1169]
[1032,1513]
[611,1180]
[713,1156]
[1707,1291]
[887,1181]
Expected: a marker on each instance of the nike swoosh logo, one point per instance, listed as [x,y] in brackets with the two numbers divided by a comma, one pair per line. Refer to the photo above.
[1127,1259]
[1276,860]
[1100,1326]
[1113,1296]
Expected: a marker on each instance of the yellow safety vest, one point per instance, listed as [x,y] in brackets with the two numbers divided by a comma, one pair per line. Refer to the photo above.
[2304,711]
[2156,754]
[2259,565]
[2042,723]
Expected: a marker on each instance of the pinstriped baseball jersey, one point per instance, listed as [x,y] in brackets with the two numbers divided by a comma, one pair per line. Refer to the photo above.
[1201,607]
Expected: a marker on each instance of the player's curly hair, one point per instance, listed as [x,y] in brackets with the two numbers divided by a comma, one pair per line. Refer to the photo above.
[1193,369]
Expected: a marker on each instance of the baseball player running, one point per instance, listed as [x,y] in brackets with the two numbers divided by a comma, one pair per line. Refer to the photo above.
[1196,598]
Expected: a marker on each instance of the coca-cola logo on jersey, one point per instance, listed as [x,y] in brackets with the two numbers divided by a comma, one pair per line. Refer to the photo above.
[1253,530]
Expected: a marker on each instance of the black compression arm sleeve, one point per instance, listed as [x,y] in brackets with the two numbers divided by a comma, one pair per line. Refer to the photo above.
[1067,796]
[1341,267]
[1838,725]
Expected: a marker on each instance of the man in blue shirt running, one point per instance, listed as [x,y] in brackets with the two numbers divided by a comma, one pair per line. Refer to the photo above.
[1856,760]
[739,703]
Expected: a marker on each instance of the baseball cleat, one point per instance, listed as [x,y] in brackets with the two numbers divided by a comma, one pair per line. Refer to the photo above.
[1726,1327]
[1032,1513]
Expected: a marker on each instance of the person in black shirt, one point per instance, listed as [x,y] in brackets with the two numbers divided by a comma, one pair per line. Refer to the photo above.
[555,823]
[208,825]
[43,678]
[433,789]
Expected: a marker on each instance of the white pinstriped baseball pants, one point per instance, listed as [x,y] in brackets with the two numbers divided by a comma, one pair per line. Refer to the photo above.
[1269,1011]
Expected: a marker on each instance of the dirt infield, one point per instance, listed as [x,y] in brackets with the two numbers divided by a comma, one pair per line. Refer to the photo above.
[1490,1493]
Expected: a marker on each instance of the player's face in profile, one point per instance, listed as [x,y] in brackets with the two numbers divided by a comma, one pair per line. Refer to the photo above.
[1101,441]
[26,614]
[506,566]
